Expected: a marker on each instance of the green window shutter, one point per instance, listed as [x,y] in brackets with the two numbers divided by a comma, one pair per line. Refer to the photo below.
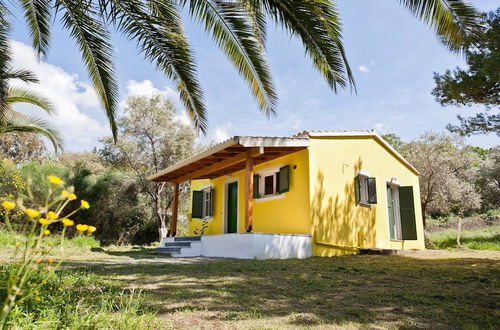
[372,191]
[256,180]
[284,184]
[211,209]
[197,206]
[407,213]
[357,189]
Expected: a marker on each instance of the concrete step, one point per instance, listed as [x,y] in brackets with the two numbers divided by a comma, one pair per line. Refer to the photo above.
[177,244]
[168,249]
[187,238]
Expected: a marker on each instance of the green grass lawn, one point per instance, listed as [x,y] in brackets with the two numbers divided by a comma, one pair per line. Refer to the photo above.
[134,289]
[486,238]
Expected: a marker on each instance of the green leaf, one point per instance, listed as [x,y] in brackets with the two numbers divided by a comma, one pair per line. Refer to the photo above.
[18,123]
[93,39]
[452,20]
[20,95]
[239,33]
[157,29]
[38,15]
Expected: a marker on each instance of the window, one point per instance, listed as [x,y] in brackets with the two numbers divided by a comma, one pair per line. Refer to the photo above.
[271,182]
[366,189]
[202,204]
[269,187]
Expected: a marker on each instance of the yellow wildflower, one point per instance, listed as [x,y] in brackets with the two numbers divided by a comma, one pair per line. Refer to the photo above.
[46,232]
[64,194]
[91,229]
[18,244]
[39,260]
[8,205]
[44,221]
[71,197]
[55,180]
[37,298]
[32,213]
[84,204]
[50,260]
[52,215]
[67,222]
[81,228]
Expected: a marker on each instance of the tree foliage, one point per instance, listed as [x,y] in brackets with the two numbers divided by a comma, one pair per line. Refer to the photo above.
[447,172]
[488,179]
[151,139]
[22,147]
[479,83]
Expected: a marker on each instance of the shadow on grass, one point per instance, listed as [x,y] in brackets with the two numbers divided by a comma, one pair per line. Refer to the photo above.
[137,252]
[368,290]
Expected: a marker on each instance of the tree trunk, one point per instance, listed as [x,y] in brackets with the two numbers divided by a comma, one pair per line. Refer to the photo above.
[459,229]
[160,215]
[424,210]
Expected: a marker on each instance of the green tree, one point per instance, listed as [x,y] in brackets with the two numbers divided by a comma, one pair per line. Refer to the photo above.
[488,179]
[22,147]
[395,141]
[237,27]
[478,84]
[447,173]
[151,139]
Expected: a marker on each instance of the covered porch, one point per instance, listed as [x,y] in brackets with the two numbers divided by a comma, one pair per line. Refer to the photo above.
[233,155]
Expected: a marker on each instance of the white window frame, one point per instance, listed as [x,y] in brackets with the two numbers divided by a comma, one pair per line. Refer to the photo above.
[204,209]
[363,186]
[262,184]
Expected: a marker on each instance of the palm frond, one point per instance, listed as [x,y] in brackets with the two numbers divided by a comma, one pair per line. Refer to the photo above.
[157,29]
[317,24]
[22,74]
[21,95]
[452,20]
[239,34]
[93,39]
[38,15]
[18,123]
[5,56]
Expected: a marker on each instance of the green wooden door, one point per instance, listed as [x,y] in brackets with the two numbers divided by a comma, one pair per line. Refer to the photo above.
[232,207]
[390,211]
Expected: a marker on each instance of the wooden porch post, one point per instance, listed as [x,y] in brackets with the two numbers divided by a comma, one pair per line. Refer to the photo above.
[248,192]
[175,209]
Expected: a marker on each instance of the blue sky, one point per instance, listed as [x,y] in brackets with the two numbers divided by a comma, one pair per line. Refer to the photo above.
[393,57]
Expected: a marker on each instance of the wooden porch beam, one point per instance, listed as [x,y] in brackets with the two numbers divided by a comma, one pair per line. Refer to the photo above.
[248,192]
[218,166]
[175,210]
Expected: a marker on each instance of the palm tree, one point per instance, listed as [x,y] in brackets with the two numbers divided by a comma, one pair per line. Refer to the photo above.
[238,27]
[15,122]
[12,121]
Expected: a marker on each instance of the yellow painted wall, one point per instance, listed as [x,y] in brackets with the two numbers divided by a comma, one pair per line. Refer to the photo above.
[286,215]
[339,226]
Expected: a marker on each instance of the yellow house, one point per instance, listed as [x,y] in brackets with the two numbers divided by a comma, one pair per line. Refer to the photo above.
[320,193]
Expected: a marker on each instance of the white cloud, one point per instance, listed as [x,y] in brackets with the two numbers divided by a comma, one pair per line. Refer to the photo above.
[222,132]
[296,122]
[381,128]
[372,62]
[147,88]
[363,68]
[70,95]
